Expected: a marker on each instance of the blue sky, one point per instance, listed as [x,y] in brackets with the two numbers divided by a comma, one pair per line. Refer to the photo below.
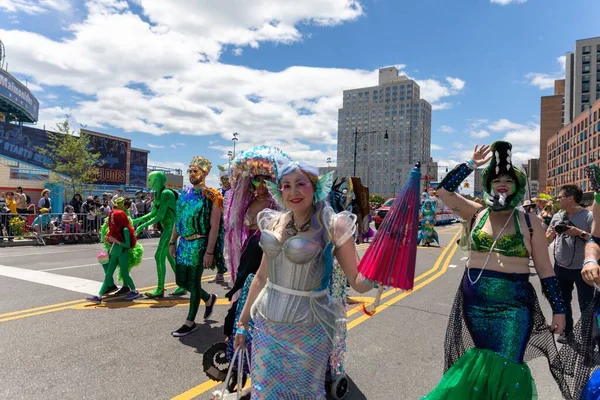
[178,78]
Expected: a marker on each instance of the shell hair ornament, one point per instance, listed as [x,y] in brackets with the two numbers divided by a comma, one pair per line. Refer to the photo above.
[259,160]
[321,184]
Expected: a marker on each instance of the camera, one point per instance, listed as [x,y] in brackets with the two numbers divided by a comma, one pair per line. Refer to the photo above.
[561,228]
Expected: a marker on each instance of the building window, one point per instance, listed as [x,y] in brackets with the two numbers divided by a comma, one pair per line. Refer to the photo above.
[585,69]
[585,59]
[586,49]
[585,87]
[585,78]
[598,48]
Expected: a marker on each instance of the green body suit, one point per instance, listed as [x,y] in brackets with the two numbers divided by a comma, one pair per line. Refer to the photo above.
[193,218]
[119,255]
[135,255]
[163,211]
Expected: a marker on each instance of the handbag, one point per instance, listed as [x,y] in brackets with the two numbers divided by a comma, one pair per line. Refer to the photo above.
[239,355]
[104,255]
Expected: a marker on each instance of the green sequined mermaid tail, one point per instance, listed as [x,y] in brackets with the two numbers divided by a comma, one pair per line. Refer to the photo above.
[483,375]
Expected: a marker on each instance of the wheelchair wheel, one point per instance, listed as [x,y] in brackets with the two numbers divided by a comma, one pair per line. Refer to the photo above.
[339,387]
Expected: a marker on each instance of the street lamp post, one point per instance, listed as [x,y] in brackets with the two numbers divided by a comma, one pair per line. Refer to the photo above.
[357,137]
[235,139]
[394,185]
[328,163]
[230,155]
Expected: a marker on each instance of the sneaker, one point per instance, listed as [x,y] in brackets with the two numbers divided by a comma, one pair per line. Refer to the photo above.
[122,291]
[110,289]
[132,295]
[217,279]
[209,309]
[184,330]
[565,338]
[94,299]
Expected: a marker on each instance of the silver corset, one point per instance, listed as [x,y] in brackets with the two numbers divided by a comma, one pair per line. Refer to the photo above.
[295,273]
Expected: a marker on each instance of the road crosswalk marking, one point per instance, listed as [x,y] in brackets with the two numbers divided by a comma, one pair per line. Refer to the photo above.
[73,284]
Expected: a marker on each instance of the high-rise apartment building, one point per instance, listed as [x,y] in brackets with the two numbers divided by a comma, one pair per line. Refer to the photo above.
[388,127]
[574,147]
[582,86]
[551,121]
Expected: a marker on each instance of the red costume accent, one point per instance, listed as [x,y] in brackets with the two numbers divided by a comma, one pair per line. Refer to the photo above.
[117,220]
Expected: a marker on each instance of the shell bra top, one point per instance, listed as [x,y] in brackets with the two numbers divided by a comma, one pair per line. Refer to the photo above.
[510,245]
[300,269]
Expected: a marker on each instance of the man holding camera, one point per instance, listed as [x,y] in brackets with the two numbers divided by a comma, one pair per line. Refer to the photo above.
[569,230]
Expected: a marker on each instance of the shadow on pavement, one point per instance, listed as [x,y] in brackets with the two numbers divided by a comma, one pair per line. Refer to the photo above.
[205,335]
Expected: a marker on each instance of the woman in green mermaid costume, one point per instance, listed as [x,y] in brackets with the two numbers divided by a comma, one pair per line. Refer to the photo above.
[163,212]
[496,322]
[135,254]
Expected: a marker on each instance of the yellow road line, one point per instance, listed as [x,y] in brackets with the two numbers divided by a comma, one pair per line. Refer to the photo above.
[32,312]
[208,385]
[396,299]
[417,279]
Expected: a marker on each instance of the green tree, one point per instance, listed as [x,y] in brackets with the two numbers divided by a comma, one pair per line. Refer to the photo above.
[375,198]
[71,156]
[221,168]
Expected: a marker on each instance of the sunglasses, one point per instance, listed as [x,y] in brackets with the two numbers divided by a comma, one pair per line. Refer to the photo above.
[194,171]
[258,180]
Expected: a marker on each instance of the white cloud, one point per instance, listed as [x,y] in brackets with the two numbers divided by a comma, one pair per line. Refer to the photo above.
[503,125]
[238,51]
[562,60]
[433,90]
[182,87]
[34,6]
[544,80]
[446,129]
[480,134]
[505,2]
[458,145]
[155,146]
[456,83]
[247,23]
[436,147]
[441,106]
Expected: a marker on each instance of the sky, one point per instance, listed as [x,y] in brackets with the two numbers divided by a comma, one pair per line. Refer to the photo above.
[178,78]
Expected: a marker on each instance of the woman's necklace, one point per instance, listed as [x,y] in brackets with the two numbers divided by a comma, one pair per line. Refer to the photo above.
[292,228]
[487,259]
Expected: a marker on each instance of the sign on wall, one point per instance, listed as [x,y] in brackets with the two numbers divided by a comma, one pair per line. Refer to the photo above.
[113,163]
[18,97]
[22,143]
[138,168]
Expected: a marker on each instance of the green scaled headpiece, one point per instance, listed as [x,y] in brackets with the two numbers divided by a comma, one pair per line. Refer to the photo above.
[501,164]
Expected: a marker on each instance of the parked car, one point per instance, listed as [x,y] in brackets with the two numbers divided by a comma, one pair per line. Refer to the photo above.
[381,212]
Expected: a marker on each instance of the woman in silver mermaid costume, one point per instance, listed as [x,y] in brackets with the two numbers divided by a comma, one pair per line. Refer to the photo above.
[295,319]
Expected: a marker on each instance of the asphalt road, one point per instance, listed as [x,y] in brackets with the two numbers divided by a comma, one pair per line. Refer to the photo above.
[53,345]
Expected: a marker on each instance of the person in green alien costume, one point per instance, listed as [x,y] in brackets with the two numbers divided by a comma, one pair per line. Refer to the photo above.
[135,254]
[163,211]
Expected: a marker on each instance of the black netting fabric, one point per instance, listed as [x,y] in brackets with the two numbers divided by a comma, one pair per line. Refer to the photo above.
[582,357]
[541,343]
